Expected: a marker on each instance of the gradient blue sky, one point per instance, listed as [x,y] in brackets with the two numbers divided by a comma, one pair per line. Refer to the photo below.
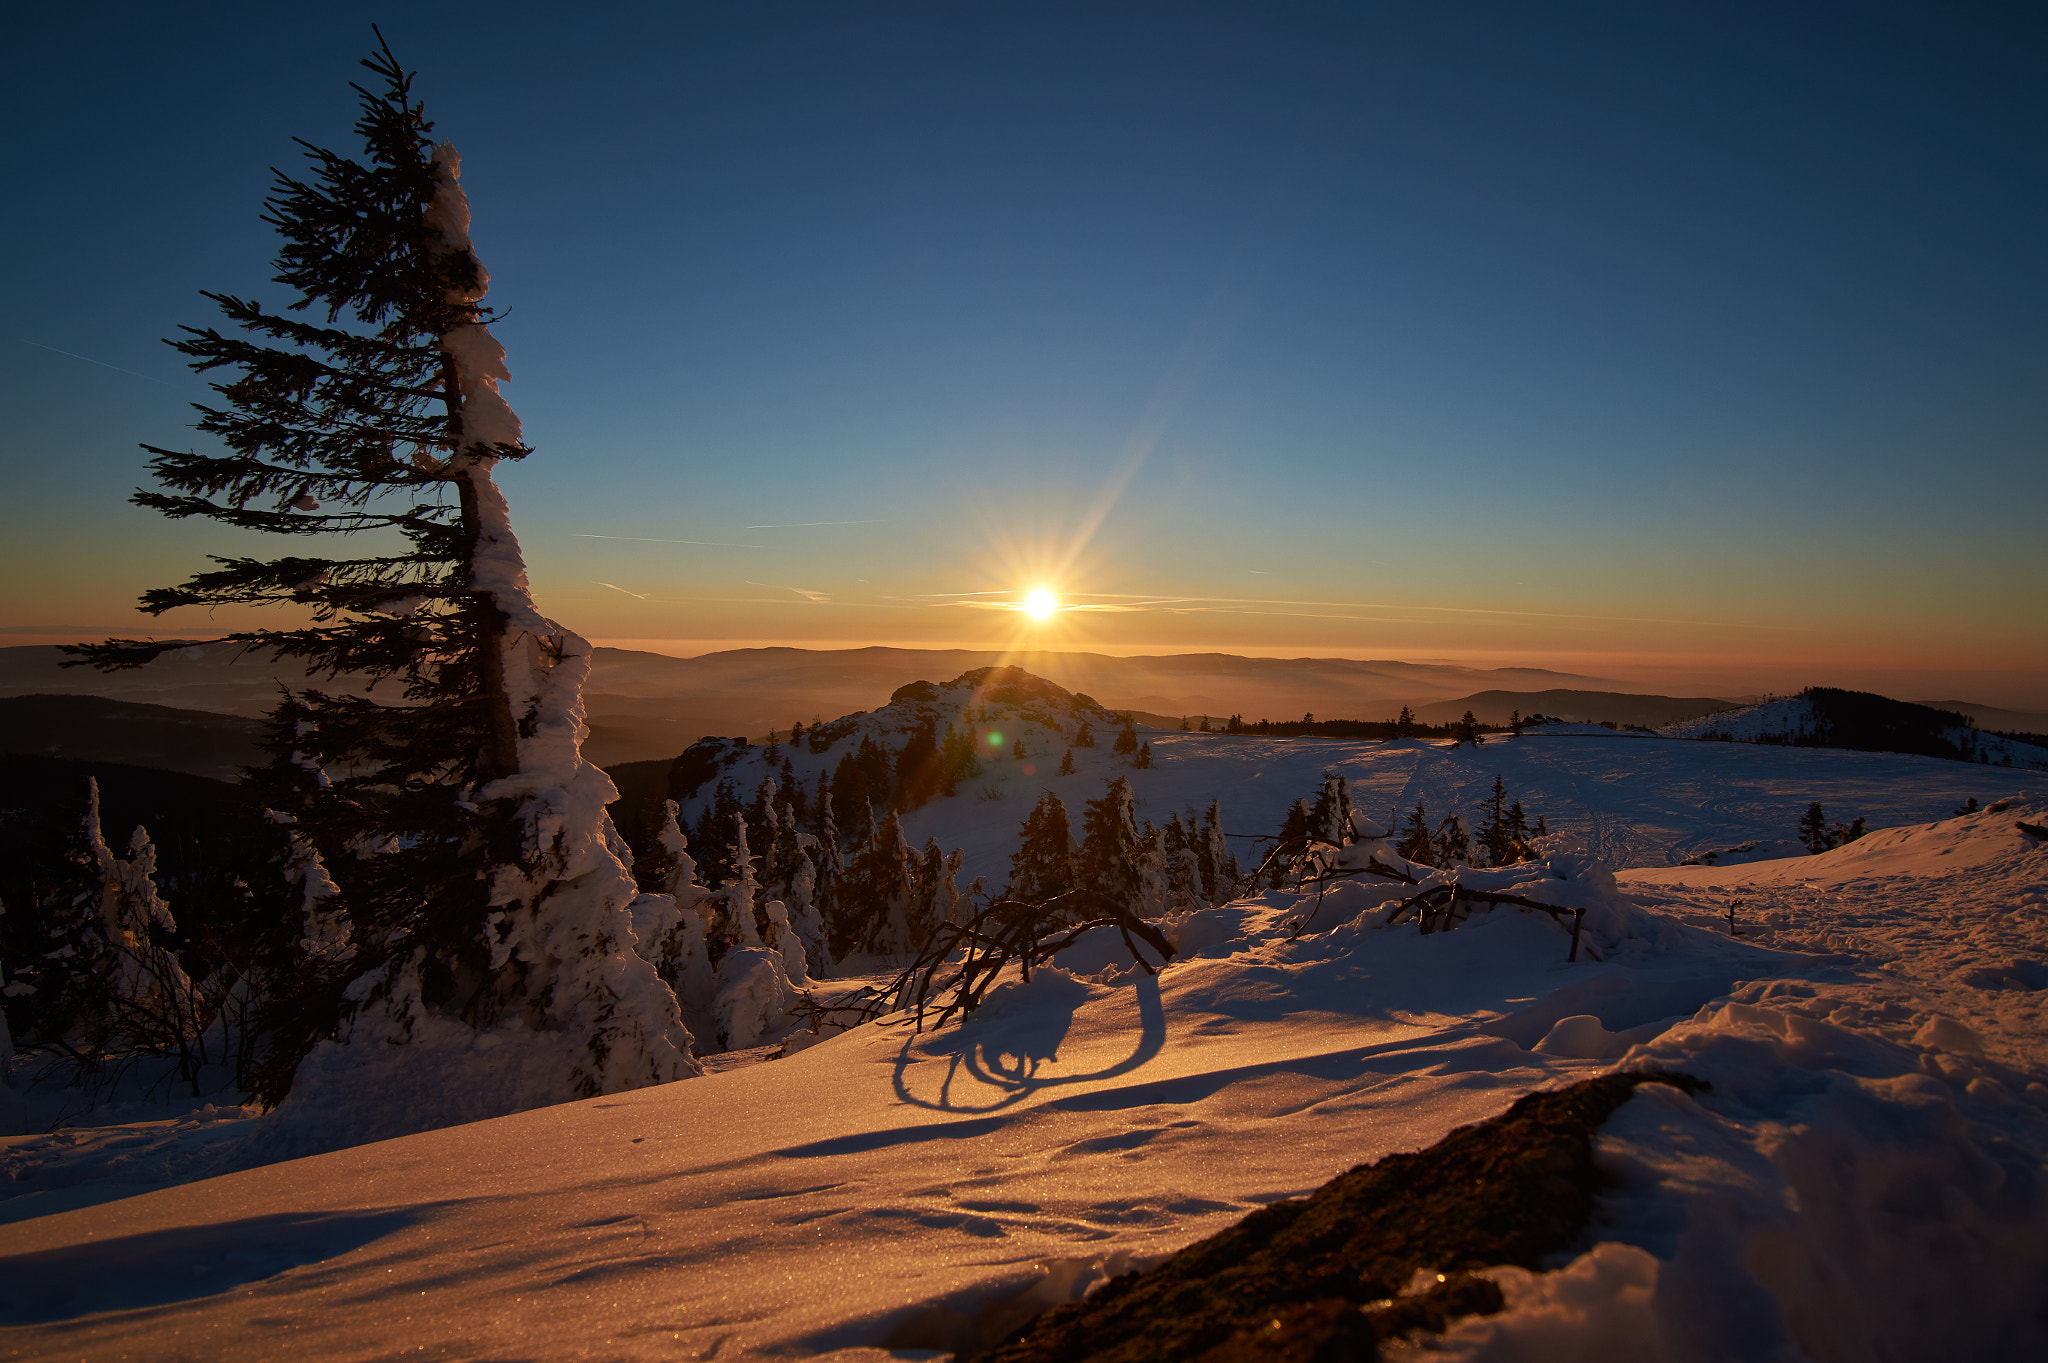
[1673,342]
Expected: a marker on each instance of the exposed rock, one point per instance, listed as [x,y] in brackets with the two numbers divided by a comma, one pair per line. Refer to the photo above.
[1328,1276]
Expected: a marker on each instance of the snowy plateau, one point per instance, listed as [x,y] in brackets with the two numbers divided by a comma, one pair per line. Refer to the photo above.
[1865,1178]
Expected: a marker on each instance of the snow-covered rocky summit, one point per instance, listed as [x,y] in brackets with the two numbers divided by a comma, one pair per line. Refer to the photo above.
[1823,717]
[988,712]
[989,693]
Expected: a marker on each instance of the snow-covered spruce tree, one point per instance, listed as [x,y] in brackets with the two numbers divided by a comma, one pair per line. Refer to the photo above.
[1329,819]
[1043,864]
[754,994]
[1112,852]
[152,1007]
[1416,844]
[1183,862]
[491,967]
[1219,869]
[1453,844]
[1814,831]
[879,898]
[1496,835]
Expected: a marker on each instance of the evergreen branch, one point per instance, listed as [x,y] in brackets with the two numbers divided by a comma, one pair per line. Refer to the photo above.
[272,522]
[251,478]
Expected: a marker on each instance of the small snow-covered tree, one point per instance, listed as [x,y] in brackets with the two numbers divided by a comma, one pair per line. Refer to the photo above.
[1814,830]
[754,996]
[1220,872]
[1043,864]
[879,897]
[738,893]
[1329,819]
[463,827]
[1496,833]
[1453,844]
[938,882]
[1112,850]
[899,930]
[804,915]
[1416,844]
[1184,862]
[788,945]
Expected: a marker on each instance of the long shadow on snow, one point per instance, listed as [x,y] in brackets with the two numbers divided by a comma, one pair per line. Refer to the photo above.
[1030,1041]
[1463,1049]
[182,1263]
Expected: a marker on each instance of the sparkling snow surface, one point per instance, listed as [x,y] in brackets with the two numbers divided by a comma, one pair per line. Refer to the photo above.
[1865,1180]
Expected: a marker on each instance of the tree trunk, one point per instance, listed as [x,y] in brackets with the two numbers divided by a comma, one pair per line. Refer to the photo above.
[501,754]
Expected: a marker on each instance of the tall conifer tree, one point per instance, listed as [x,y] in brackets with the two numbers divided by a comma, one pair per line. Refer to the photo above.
[462,826]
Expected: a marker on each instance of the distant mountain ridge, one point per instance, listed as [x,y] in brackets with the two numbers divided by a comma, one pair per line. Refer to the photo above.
[102,729]
[649,705]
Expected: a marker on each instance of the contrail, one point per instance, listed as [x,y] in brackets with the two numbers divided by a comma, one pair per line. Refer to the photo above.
[637,596]
[815,598]
[101,363]
[643,539]
[800,525]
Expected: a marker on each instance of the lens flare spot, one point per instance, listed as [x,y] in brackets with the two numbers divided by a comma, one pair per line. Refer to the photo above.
[995,740]
[1041,604]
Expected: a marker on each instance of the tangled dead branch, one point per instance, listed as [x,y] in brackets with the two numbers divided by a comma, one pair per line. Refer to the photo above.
[960,962]
[1442,907]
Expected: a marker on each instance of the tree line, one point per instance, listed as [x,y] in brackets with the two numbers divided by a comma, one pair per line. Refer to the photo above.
[1465,729]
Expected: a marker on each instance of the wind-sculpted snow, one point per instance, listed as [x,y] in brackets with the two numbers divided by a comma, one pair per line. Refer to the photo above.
[1864,1179]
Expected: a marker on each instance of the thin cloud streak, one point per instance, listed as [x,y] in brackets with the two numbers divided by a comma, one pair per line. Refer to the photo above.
[637,596]
[1214,605]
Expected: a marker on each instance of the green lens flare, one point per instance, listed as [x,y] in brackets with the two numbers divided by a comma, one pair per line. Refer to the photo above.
[995,740]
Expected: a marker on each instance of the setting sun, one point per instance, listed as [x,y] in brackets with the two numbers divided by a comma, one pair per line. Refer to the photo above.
[1041,604]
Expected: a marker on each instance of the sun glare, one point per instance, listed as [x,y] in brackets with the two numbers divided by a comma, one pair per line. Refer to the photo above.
[1041,604]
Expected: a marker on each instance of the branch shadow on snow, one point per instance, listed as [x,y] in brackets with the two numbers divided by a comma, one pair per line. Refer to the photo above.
[1010,1060]
[160,1268]
[1467,1051]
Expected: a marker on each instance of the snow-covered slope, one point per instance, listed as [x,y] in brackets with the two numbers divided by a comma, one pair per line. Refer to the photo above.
[1954,910]
[1783,717]
[1865,1179]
